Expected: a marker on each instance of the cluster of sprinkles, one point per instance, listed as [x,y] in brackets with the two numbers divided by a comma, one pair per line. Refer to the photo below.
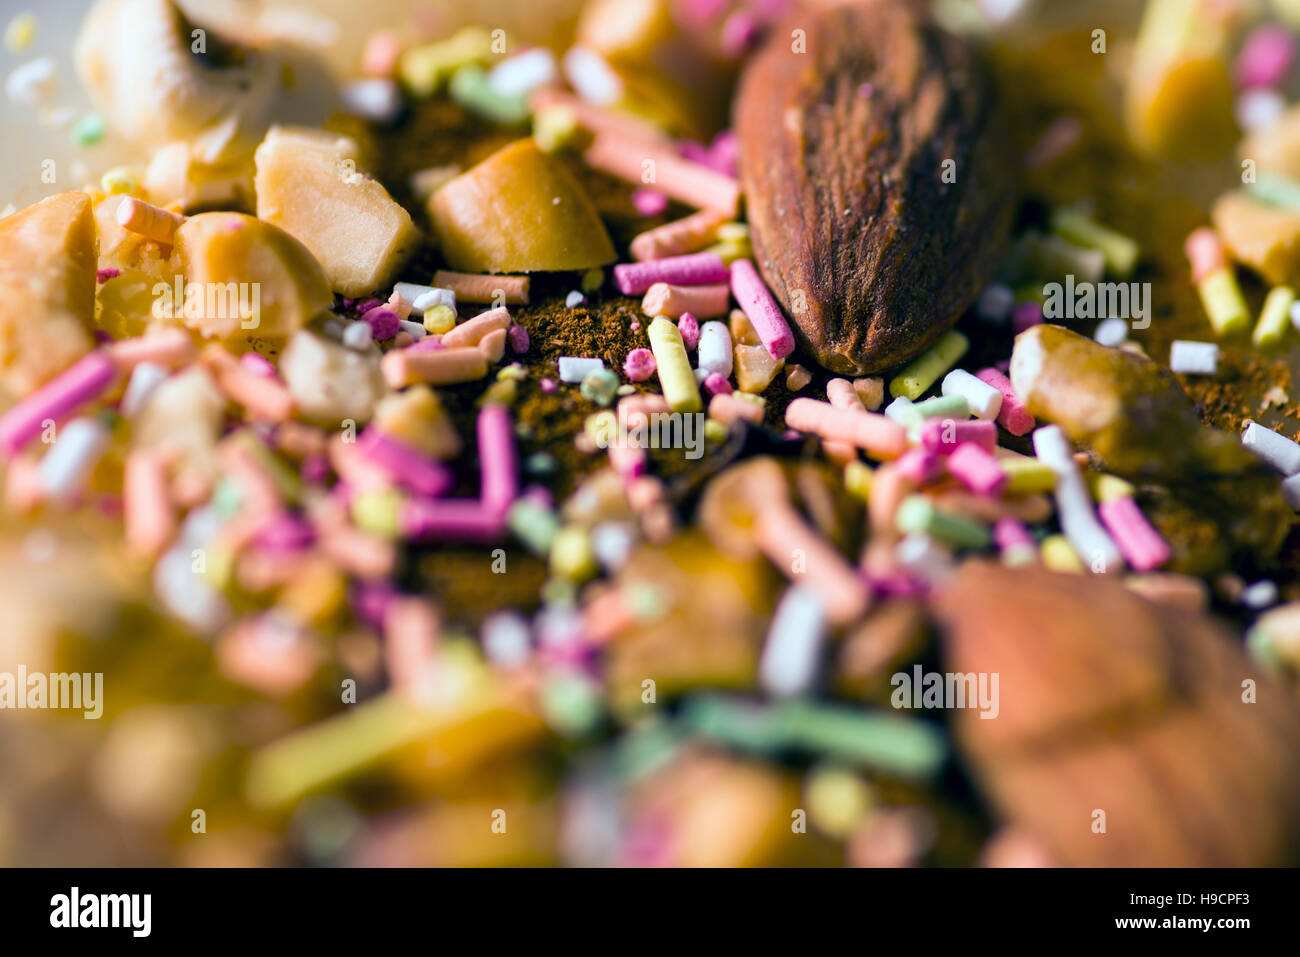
[315,523]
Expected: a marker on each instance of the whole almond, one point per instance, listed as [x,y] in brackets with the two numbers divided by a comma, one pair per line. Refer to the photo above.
[878,204]
[1108,702]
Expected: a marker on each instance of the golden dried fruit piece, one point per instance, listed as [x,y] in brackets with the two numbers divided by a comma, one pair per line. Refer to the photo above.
[1265,238]
[878,202]
[1179,97]
[238,264]
[48,256]
[520,210]
[309,185]
[175,175]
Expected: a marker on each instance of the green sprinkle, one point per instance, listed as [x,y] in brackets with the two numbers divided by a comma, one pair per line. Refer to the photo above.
[227,497]
[1121,252]
[923,371]
[884,742]
[1274,189]
[599,386]
[571,703]
[540,464]
[1274,318]
[936,407]
[737,723]
[425,68]
[533,525]
[470,88]
[918,514]
[88,130]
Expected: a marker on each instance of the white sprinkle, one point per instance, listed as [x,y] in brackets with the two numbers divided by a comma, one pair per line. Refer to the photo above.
[1258,109]
[576,368]
[1073,503]
[714,349]
[984,401]
[185,592]
[423,298]
[612,542]
[1275,449]
[521,75]
[416,330]
[358,336]
[897,410]
[1111,332]
[378,100]
[1291,491]
[33,83]
[921,555]
[995,302]
[788,665]
[64,469]
[1259,595]
[505,638]
[1295,313]
[574,299]
[593,78]
[1193,358]
[145,377]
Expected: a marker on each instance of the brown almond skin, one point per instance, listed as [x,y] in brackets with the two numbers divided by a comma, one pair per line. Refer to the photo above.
[842,153]
[1111,702]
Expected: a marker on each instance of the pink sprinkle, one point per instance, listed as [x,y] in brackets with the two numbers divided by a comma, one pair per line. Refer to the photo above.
[284,533]
[724,153]
[104,275]
[1142,546]
[383,323]
[1009,533]
[548,385]
[977,469]
[367,304]
[496,453]
[640,365]
[406,464]
[944,435]
[1025,316]
[700,13]
[519,340]
[694,151]
[256,363]
[694,269]
[689,327]
[427,344]
[715,383]
[763,312]
[1013,417]
[635,326]
[740,32]
[371,601]
[919,465]
[454,519]
[1266,57]
[380,55]
[1205,252]
[865,90]
[649,202]
[84,380]
[315,469]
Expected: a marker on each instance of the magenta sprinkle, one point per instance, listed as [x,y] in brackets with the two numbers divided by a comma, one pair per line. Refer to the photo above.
[1009,532]
[1266,57]
[102,338]
[452,519]
[740,31]
[367,304]
[519,341]
[104,275]
[409,466]
[258,364]
[694,269]
[539,495]
[315,469]
[715,383]
[649,202]
[497,460]
[285,533]
[1025,316]
[371,600]
[919,465]
[84,380]
[763,312]
[548,385]
[640,365]
[689,327]
[383,323]
[427,344]
[724,153]
[944,435]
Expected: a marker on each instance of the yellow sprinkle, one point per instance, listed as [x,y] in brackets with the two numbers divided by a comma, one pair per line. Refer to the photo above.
[676,377]
[1026,475]
[714,431]
[21,32]
[439,320]
[378,511]
[1224,305]
[923,371]
[592,280]
[425,69]
[120,179]
[572,556]
[1274,318]
[502,392]
[556,128]
[1108,488]
[601,428]
[1059,555]
[730,250]
[857,479]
